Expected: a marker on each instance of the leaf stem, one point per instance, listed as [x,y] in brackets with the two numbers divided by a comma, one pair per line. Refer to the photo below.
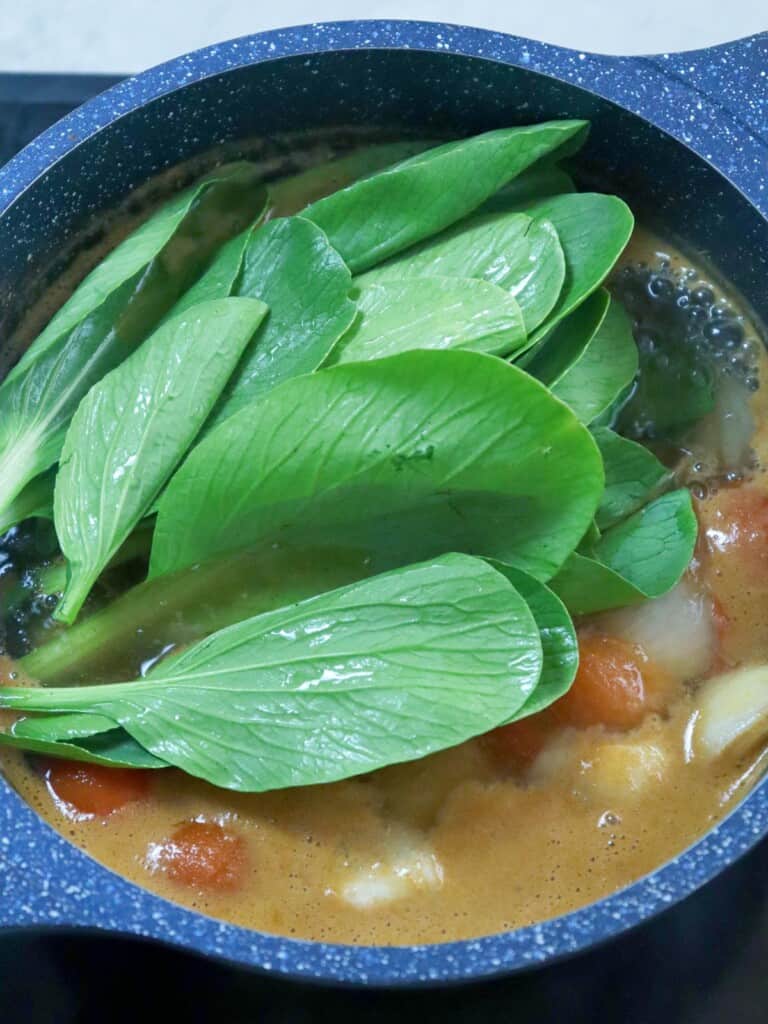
[20,497]
[180,608]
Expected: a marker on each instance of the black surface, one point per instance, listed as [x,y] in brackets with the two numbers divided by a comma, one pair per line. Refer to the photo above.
[30,103]
[706,962]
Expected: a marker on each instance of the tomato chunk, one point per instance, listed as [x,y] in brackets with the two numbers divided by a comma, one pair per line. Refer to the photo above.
[519,744]
[203,855]
[96,789]
[611,686]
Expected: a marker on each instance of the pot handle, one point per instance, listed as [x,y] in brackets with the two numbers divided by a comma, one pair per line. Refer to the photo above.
[732,76]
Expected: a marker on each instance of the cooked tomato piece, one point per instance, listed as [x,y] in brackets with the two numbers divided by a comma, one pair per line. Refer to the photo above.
[735,520]
[611,687]
[519,744]
[95,789]
[203,855]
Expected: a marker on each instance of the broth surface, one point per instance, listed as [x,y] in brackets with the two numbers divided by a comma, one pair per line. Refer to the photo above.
[458,845]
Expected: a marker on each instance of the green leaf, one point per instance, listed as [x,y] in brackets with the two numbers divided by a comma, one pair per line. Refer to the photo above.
[551,359]
[111,747]
[290,195]
[606,366]
[61,728]
[510,250]
[631,474]
[593,230]
[391,210]
[380,672]
[407,457]
[290,266]
[535,183]
[640,558]
[220,278]
[178,609]
[109,315]
[35,501]
[560,648]
[675,388]
[134,427]
[431,312]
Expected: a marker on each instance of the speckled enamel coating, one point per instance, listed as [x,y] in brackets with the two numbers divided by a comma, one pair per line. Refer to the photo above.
[714,101]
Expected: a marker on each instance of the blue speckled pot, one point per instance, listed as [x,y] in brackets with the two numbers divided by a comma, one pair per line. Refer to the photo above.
[683,136]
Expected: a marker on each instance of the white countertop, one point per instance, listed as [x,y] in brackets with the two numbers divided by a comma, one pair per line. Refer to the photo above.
[102,35]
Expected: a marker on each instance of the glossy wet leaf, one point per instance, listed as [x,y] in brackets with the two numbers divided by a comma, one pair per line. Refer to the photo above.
[134,427]
[535,183]
[119,640]
[396,208]
[431,312]
[291,194]
[110,314]
[554,355]
[100,743]
[593,230]
[642,557]
[510,250]
[632,473]
[560,649]
[675,388]
[220,277]
[321,690]
[406,457]
[35,501]
[289,265]
[603,370]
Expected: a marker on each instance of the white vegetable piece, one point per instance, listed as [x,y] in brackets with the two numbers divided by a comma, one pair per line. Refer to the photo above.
[618,771]
[410,865]
[732,711]
[675,631]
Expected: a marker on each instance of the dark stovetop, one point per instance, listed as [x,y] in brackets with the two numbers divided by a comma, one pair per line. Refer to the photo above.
[705,962]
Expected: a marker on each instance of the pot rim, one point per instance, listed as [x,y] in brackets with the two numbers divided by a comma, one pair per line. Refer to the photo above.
[44,875]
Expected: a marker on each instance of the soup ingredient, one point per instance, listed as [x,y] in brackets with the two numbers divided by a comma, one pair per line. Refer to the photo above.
[593,230]
[589,358]
[389,211]
[677,630]
[109,315]
[732,710]
[318,691]
[134,427]
[182,607]
[604,369]
[94,790]
[290,195]
[611,685]
[554,355]
[478,457]
[406,863]
[431,312]
[35,501]
[518,744]
[202,855]
[616,772]
[509,250]
[535,183]
[290,266]
[558,639]
[101,742]
[632,474]
[642,557]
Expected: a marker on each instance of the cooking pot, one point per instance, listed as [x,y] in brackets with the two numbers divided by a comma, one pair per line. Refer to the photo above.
[683,137]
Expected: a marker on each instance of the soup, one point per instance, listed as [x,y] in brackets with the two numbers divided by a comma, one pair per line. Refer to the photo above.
[385,823]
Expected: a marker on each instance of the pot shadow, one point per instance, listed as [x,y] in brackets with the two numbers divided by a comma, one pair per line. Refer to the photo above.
[703,962]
